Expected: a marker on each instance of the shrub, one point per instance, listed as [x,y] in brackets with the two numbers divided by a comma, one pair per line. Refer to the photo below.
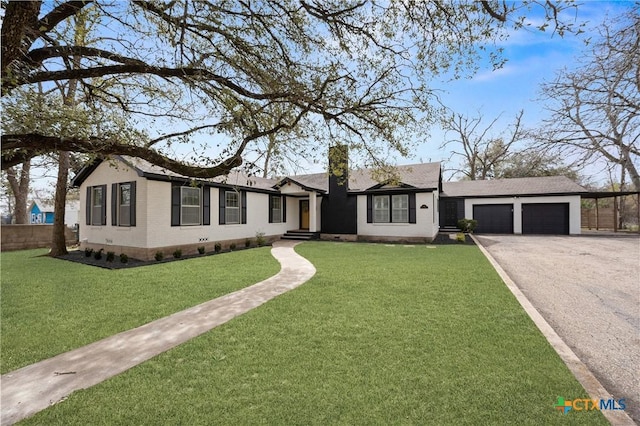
[217,247]
[260,240]
[111,256]
[467,225]
[247,243]
[124,258]
[98,254]
[232,246]
[159,256]
[201,249]
[88,252]
[177,254]
[460,237]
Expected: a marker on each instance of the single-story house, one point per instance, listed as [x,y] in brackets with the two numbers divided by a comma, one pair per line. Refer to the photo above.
[43,212]
[134,207]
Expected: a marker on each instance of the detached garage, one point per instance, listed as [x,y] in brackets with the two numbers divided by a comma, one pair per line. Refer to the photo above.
[494,218]
[543,205]
[545,218]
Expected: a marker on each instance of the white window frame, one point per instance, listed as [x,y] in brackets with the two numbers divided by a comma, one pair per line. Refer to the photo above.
[97,209]
[276,213]
[391,208]
[381,212]
[122,206]
[228,210]
[190,207]
[400,208]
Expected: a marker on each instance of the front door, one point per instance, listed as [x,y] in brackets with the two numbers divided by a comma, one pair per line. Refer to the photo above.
[451,213]
[304,214]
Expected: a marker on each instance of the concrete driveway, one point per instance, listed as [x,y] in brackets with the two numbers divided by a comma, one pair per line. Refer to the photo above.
[588,289]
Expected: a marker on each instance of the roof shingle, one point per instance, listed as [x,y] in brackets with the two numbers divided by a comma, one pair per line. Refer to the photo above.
[517,186]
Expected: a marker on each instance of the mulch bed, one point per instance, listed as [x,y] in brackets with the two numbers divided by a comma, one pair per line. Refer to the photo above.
[444,238]
[79,256]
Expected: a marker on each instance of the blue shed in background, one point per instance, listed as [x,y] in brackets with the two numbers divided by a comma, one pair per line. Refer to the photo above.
[40,212]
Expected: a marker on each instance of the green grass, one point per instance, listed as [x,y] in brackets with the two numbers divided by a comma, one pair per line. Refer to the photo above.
[50,306]
[381,335]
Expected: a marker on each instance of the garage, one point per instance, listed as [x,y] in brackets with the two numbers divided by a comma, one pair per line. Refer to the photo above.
[545,218]
[494,218]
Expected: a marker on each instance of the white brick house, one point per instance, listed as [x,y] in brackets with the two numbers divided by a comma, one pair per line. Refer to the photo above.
[131,206]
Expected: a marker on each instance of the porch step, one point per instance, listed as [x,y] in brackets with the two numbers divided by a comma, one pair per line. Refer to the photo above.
[449,229]
[301,235]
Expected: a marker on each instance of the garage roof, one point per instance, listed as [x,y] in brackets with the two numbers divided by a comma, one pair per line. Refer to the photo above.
[547,185]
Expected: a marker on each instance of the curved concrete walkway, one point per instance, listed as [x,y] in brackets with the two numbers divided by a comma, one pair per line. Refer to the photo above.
[35,387]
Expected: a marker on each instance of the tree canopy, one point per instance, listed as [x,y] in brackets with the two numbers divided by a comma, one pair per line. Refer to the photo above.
[595,106]
[235,73]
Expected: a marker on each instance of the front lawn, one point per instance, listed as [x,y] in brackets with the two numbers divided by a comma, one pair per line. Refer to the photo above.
[50,306]
[381,335]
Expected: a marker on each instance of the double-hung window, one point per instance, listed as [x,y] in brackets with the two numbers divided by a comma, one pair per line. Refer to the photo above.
[390,208]
[400,208]
[232,207]
[123,204]
[190,206]
[276,209]
[97,203]
[96,212]
[381,209]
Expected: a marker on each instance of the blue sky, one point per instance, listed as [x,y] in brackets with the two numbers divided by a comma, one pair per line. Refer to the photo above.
[532,58]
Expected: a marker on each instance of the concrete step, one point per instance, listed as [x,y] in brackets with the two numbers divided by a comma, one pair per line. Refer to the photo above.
[301,235]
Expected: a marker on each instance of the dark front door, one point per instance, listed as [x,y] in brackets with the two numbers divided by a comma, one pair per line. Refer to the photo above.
[304,214]
[451,213]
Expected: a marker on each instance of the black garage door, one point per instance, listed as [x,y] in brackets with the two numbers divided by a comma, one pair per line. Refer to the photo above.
[545,218]
[494,218]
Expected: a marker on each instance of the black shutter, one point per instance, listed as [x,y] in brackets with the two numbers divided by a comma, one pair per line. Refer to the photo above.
[206,205]
[271,197]
[284,209]
[175,205]
[221,205]
[87,212]
[243,206]
[132,205]
[412,208]
[104,205]
[114,204]
[369,208]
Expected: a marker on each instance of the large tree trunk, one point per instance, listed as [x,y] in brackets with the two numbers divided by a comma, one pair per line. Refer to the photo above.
[58,241]
[20,188]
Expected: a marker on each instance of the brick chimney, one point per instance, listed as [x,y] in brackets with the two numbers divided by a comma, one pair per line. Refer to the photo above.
[338,171]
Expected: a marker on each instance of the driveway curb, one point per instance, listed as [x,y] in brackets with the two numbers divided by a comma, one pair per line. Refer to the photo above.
[593,387]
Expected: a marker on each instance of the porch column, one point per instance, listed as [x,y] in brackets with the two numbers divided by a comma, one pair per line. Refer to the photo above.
[312,212]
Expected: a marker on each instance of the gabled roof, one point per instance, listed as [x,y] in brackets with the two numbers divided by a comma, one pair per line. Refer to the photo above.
[43,206]
[419,176]
[49,206]
[548,185]
[315,186]
[414,176]
[153,172]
